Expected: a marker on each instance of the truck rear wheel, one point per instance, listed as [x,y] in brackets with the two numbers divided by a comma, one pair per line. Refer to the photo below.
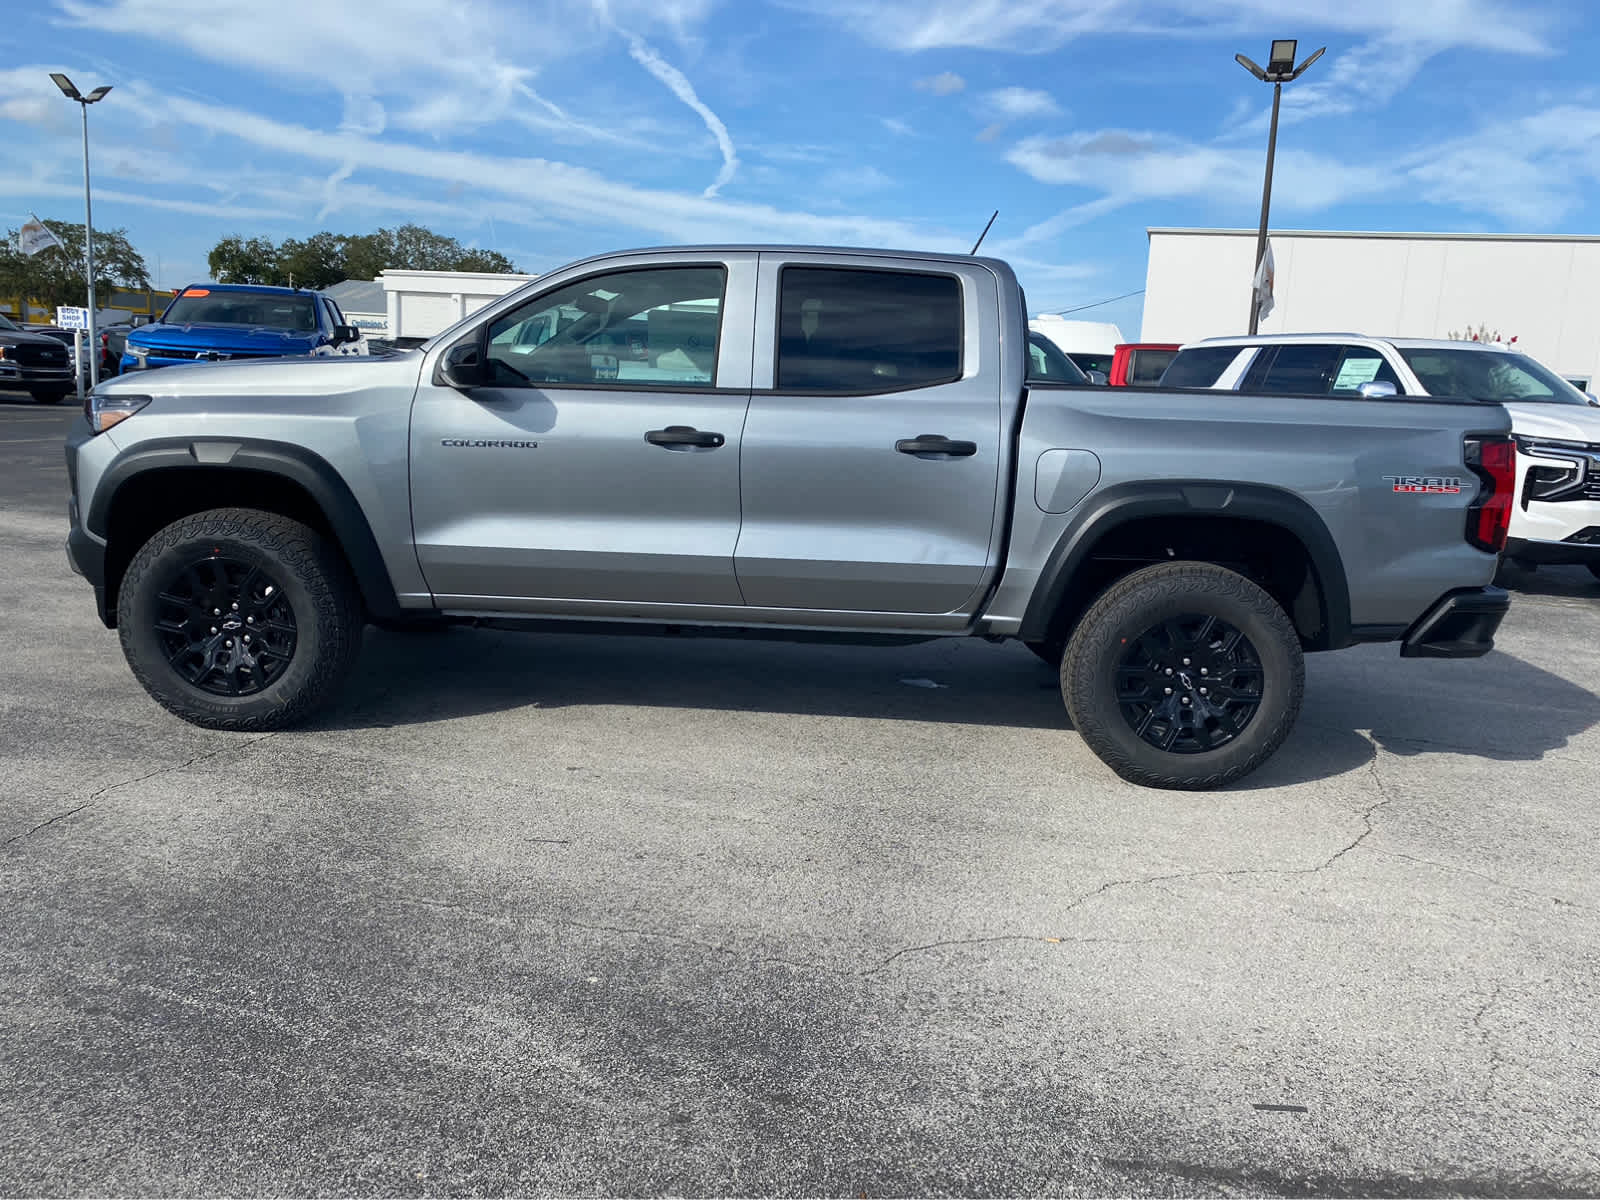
[1183,675]
[239,619]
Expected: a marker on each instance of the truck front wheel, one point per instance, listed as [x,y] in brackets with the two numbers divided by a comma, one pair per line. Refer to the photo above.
[1183,675]
[239,619]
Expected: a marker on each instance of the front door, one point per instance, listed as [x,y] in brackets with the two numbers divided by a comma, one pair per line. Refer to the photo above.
[600,461]
[872,448]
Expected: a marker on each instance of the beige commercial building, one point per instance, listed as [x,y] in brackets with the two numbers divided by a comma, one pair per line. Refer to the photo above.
[1542,290]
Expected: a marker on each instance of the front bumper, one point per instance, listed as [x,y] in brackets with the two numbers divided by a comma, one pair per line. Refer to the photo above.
[1581,549]
[1461,624]
[18,375]
[86,554]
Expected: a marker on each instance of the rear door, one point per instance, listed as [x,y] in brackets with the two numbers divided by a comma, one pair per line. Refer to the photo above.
[1317,369]
[871,451]
[601,464]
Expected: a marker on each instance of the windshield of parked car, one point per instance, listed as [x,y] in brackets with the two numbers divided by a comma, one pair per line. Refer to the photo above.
[269,310]
[1488,375]
[6,322]
[1093,362]
[1046,362]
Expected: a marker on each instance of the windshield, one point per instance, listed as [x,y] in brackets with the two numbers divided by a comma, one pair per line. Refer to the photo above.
[272,310]
[1488,375]
[1045,361]
[5,322]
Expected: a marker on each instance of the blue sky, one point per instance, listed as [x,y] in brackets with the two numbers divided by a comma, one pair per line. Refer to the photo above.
[551,129]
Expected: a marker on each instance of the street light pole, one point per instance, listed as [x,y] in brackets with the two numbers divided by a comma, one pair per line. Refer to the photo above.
[1266,208]
[1279,71]
[71,93]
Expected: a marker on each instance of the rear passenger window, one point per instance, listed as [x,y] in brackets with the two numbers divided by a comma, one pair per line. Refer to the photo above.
[1302,370]
[1200,367]
[843,330]
[1147,367]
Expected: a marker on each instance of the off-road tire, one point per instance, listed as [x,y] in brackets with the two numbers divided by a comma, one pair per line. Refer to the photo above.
[1136,603]
[315,581]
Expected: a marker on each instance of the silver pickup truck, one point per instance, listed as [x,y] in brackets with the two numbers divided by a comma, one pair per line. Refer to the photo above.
[794,441]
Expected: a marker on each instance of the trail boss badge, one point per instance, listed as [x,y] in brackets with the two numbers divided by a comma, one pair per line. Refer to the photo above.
[1425,485]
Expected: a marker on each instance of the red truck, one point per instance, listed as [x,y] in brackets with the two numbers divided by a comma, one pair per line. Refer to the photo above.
[1141,364]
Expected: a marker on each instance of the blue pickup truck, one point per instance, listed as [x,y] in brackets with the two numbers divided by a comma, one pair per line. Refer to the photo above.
[210,322]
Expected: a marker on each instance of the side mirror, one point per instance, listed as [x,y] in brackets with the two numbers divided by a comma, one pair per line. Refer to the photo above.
[1098,378]
[1377,389]
[345,333]
[462,367]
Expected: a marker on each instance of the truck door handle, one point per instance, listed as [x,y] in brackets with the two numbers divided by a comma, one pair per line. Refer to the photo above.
[936,444]
[683,437]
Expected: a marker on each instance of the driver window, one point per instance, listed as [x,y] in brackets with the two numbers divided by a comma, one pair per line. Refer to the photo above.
[648,328]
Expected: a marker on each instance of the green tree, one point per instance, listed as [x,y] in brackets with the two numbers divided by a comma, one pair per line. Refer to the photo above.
[235,260]
[325,258]
[55,276]
[313,263]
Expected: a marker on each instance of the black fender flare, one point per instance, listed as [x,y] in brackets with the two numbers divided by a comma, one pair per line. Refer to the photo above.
[310,471]
[1115,506]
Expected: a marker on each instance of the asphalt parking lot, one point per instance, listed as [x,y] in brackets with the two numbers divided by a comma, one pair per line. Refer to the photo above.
[535,913]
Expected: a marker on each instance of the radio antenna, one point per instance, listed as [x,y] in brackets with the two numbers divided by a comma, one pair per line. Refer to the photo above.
[985,232]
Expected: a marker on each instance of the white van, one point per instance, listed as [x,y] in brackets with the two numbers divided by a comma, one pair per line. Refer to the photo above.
[1090,344]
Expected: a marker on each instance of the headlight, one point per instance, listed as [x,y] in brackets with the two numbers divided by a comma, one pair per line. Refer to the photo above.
[107,410]
[1558,470]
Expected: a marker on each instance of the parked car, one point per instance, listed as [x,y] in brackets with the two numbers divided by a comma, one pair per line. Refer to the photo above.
[1047,363]
[36,363]
[212,322]
[113,345]
[1556,518]
[788,442]
[1141,364]
[1091,345]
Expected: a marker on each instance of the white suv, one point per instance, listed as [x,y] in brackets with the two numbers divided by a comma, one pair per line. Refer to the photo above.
[1556,517]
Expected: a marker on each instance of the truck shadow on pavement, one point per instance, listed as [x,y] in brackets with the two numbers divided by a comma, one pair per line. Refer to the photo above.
[1499,708]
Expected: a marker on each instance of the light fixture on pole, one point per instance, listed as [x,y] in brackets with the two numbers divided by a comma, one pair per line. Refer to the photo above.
[1279,71]
[71,93]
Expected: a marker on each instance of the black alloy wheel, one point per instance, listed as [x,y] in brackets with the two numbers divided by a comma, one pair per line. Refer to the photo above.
[1189,684]
[225,626]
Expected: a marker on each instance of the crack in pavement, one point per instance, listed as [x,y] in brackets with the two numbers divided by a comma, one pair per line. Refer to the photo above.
[1386,797]
[1003,937]
[1500,883]
[1491,1077]
[122,783]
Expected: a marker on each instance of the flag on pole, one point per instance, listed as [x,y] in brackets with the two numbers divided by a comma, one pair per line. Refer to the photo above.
[35,236]
[1266,273]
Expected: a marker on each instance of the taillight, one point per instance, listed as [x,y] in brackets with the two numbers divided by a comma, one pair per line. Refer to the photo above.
[1494,461]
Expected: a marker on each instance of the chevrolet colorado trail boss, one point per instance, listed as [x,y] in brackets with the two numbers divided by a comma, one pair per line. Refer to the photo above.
[800,442]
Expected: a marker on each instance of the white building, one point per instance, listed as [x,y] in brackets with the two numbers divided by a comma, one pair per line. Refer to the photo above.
[421,303]
[364,304]
[1542,290]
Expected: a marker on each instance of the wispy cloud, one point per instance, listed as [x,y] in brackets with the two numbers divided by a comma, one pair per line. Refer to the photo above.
[678,84]
[1020,103]
[558,190]
[946,83]
[1043,25]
